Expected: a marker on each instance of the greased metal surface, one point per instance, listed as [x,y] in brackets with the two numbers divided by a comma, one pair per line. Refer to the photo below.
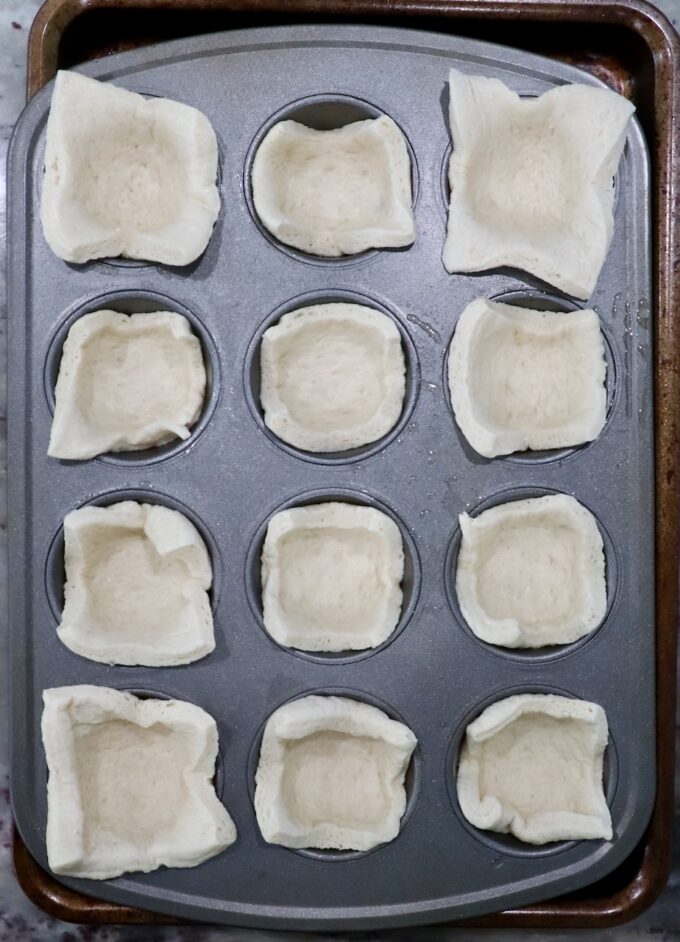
[232,475]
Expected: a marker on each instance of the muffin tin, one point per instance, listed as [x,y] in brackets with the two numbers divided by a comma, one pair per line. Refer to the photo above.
[232,475]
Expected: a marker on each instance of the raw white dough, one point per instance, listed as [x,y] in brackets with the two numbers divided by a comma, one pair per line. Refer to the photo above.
[531,179]
[531,572]
[125,383]
[522,379]
[331,577]
[531,765]
[335,192]
[332,376]
[331,775]
[126,175]
[137,580]
[130,783]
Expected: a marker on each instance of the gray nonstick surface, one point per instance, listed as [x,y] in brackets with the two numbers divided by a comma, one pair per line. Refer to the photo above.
[232,475]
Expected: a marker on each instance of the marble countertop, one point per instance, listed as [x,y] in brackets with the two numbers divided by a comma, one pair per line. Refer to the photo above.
[20,921]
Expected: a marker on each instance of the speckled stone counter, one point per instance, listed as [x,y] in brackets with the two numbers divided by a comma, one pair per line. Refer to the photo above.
[20,921]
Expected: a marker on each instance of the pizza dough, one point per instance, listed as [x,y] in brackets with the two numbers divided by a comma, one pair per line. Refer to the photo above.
[126,175]
[531,765]
[532,179]
[137,580]
[332,377]
[522,379]
[130,783]
[531,572]
[126,383]
[331,577]
[331,775]
[335,192]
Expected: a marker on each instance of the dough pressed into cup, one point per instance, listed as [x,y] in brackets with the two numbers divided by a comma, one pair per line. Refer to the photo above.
[524,379]
[336,192]
[126,382]
[532,179]
[332,376]
[331,577]
[331,775]
[531,765]
[531,572]
[130,783]
[126,175]
[136,592]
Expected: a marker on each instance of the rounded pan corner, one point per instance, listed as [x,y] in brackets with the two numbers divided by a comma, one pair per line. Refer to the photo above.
[61,902]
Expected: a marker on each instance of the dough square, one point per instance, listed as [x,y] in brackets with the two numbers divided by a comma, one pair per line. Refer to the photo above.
[331,775]
[126,382]
[126,175]
[130,783]
[136,592]
[524,379]
[531,573]
[331,577]
[532,179]
[335,192]
[531,765]
[332,377]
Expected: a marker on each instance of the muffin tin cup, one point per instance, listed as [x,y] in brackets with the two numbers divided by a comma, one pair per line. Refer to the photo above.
[545,653]
[251,374]
[412,780]
[322,112]
[410,584]
[54,562]
[139,302]
[539,300]
[507,845]
[134,266]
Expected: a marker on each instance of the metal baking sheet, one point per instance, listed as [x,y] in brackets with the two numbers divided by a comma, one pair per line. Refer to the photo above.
[232,475]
